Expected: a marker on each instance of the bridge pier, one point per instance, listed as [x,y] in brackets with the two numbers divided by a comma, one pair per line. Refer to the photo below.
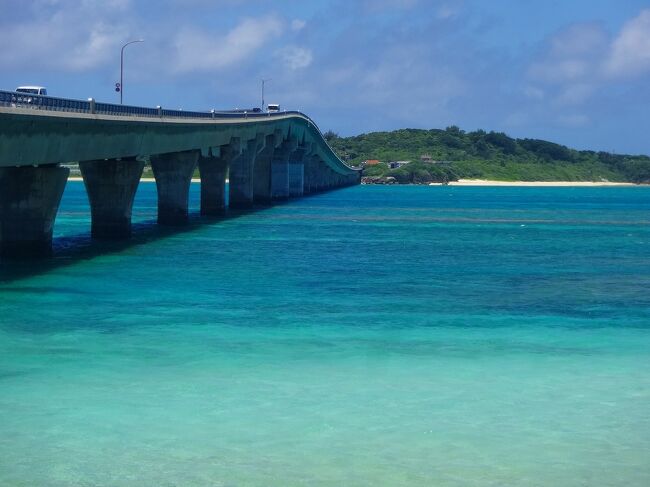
[296,178]
[296,171]
[329,179]
[111,186]
[213,170]
[242,174]
[263,162]
[173,173]
[29,200]
[280,179]
[309,174]
[262,178]
[280,169]
[319,177]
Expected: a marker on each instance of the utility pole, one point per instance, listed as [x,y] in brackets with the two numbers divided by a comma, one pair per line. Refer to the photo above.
[120,88]
[263,83]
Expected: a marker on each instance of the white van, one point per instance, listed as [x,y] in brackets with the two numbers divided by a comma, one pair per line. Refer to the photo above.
[273,108]
[32,90]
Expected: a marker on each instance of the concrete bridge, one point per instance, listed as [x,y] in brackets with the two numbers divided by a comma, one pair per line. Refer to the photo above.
[266,156]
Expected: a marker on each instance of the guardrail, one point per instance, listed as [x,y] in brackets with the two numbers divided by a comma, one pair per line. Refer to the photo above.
[90,106]
[40,102]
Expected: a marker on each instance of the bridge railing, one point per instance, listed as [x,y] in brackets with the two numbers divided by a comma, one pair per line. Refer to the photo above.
[40,102]
[51,103]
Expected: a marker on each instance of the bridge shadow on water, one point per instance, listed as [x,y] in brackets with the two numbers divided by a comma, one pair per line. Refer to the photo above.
[68,250]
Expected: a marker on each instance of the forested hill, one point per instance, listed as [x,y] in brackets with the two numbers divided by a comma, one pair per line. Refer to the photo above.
[484,155]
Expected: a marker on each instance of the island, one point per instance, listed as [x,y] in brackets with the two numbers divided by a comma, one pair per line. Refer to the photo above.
[416,156]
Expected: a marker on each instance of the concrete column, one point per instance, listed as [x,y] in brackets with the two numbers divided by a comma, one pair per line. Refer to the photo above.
[263,161]
[280,179]
[242,175]
[111,186]
[324,177]
[319,177]
[280,170]
[297,171]
[213,171]
[296,178]
[29,201]
[306,184]
[328,179]
[311,174]
[314,176]
[173,173]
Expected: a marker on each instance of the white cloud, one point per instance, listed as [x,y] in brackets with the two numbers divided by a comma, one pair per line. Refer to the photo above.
[375,5]
[584,55]
[295,57]
[198,50]
[65,35]
[630,52]
[298,25]
[570,70]
[100,47]
[580,63]
[448,10]
[573,54]
[575,94]
[534,92]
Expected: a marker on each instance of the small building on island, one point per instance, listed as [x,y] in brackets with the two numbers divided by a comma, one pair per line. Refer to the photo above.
[397,164]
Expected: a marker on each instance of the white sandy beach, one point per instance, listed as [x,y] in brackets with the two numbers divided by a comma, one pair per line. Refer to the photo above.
[485,182]
[473,182]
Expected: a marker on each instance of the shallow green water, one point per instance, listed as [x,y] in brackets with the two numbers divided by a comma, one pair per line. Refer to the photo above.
[369,336]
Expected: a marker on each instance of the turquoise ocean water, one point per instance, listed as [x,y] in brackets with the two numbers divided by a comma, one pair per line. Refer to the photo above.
[397,336]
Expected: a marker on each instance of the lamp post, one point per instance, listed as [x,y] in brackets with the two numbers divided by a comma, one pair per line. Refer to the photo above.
[263,83]
[122,67]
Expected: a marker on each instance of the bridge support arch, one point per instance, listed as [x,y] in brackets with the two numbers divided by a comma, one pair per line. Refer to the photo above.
[29,200]
[311,173]
[173,173]
[263,163]
[213,169]
[280,169]
[111,186]
[296,172]
[242,174]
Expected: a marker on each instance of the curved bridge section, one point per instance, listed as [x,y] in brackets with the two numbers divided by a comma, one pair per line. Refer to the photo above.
[267,157]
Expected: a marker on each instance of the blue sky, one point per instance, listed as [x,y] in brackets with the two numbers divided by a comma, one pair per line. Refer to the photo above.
[573,71]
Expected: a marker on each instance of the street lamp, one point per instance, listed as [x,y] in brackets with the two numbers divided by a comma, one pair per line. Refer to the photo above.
[263,82]
[121,87]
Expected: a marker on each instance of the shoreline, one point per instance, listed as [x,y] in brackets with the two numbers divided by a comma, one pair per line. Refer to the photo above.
[489,182]
[486,182]
[476,182]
